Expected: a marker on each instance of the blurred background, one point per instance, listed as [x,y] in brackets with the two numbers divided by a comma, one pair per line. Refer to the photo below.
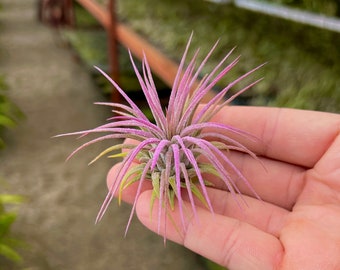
[48,86]
[302,69]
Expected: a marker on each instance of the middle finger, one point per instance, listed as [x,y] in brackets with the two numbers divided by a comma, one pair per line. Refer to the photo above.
[274,181]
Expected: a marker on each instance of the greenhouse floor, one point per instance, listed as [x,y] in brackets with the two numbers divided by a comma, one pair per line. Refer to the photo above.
[56,221]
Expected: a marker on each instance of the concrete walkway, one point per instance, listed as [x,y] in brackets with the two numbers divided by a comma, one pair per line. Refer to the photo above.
[57,220]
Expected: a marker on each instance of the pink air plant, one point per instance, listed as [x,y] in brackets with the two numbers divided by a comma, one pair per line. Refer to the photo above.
[170,149]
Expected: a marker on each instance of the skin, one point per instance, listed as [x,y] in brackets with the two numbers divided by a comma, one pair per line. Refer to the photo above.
[296,224]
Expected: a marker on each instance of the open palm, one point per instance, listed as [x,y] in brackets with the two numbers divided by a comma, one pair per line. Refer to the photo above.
[297,223]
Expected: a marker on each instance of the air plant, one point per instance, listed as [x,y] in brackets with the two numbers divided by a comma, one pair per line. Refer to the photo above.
[169,150]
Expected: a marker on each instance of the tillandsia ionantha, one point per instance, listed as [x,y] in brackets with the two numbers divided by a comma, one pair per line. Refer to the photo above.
[170,148]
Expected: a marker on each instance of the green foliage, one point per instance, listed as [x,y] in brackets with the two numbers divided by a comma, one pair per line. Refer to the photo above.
[9,112]
[84,18]
[303,62]
[327,7]
[90,45]
[9,117]
[7,217]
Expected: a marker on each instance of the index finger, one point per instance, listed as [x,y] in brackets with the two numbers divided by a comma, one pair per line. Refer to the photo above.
[294,136]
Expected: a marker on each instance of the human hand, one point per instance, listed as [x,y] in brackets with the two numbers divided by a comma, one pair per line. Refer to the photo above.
[297,223]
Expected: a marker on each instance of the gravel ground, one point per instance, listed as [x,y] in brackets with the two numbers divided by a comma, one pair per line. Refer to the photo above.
[62,199]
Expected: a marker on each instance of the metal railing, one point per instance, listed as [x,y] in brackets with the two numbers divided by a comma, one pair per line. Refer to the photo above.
[288,13]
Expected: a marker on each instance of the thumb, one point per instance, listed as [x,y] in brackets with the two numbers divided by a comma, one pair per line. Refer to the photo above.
[226,241]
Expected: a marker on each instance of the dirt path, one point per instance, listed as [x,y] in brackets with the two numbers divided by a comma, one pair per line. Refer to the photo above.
[57,221]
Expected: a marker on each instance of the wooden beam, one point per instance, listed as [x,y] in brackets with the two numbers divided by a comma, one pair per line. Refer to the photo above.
[113,52]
